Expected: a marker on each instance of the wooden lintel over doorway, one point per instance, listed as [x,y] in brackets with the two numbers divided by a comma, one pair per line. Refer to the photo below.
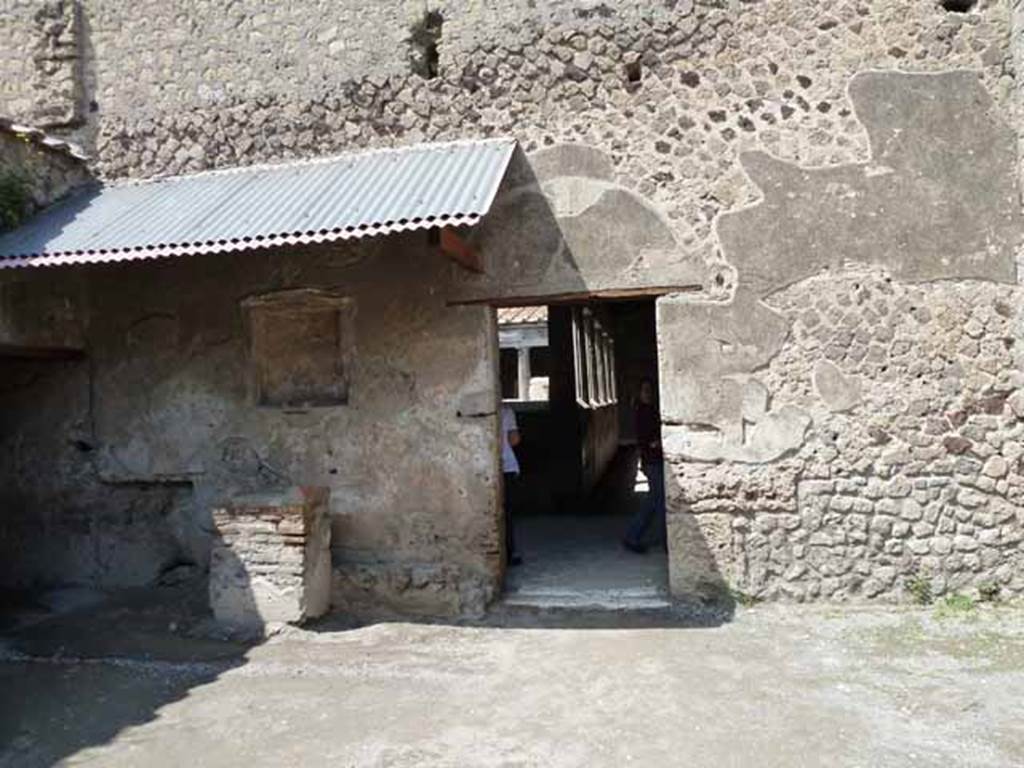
[609,294]
[457,248]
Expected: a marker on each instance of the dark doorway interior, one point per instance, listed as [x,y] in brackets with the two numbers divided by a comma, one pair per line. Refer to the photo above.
[579,483]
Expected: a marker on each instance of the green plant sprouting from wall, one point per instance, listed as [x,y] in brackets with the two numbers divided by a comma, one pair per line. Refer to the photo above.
[14,198]
[920,590]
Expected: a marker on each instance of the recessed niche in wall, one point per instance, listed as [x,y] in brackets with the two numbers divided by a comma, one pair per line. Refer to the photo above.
[958,6]
[300,348]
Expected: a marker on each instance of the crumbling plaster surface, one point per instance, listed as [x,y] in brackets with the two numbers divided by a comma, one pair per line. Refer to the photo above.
[775,119]
[58,524]
[920,479]
[891,451]
[562,227]
[937,199]
[260,81]
[163,403]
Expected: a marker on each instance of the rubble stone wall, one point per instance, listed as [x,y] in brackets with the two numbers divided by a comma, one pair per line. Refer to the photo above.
[910,471]
[47,175]
[212,87]
[780,171]
[41,70]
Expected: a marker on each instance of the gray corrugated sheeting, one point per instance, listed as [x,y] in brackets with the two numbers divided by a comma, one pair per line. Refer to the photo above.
[350,196]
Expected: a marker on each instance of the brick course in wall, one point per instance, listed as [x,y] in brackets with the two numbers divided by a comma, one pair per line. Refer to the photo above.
[271,560]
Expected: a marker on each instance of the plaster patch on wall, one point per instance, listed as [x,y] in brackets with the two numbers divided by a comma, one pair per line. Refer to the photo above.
[765,440]
[563,227]
[840,392]
[938,199]
[945,206]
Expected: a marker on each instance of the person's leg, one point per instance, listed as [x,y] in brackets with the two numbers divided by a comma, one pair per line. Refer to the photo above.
[512,556]
[637,530]
[656,478]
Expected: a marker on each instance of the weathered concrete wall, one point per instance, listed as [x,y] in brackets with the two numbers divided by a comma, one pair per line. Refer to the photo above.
[111,465]
[751,160]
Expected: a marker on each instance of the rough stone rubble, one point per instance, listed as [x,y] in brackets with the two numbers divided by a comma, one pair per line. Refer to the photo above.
[843,400]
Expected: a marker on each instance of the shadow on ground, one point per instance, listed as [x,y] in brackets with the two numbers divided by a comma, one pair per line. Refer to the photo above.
[81,669]
[695,616]
[78,667]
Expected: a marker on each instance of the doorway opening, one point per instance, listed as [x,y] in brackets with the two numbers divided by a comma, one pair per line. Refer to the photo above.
[577,480]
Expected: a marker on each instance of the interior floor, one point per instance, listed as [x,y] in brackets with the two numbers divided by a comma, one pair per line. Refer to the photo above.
[578,560]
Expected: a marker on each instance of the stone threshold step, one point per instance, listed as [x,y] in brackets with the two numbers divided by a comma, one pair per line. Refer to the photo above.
[639,599]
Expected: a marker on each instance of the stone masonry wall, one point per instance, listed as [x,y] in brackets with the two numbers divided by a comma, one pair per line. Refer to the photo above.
[212,87]
[48,174]
[748,160]
[912,468]
[41,75]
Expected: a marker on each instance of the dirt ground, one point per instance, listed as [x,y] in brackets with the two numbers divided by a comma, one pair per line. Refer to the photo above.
[771,686]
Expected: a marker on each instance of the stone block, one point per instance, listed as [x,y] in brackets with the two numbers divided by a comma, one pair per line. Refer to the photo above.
[271,559]
[965,543]
[919,546]
[996,466]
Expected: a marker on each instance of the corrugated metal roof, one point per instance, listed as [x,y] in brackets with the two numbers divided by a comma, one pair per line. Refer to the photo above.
[350,196]
[522,315]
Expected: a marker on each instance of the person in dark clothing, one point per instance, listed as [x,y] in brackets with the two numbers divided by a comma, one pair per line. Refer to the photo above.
[650,518]
[510,467]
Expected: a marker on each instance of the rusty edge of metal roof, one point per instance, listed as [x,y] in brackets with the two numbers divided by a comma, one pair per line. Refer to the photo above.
[374,171]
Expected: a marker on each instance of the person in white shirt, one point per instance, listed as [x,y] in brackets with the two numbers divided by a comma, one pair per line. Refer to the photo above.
[510,469]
